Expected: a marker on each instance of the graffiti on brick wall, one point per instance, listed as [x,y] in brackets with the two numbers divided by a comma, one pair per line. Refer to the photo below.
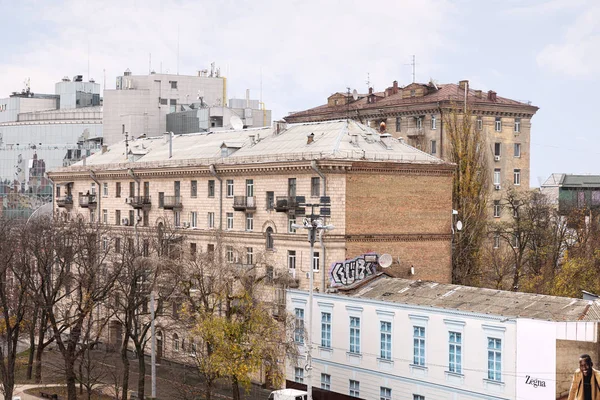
[346,273]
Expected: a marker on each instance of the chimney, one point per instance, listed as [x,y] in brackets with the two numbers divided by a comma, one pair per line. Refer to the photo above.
[104,148]
[463,84]
[395,87]
[252,139]
[310,138]
[478,94]
[491,95]
[370,90]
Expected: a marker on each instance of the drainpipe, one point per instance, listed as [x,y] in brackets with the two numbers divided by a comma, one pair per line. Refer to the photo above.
[213,172]
[315,168]
[441,132]
[98,195]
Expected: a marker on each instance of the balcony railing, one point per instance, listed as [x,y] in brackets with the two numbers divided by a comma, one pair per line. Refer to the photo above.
[415,132]
[244,203]
[88,200]
[140,202]
[66,201]
[172,203]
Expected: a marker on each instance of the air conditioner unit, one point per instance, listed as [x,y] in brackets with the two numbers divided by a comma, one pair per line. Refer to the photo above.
[496,158]
[128,200]
[186,224]
[497,187]
[125,221]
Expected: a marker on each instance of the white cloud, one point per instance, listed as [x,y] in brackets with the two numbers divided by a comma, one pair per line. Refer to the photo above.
[306,49]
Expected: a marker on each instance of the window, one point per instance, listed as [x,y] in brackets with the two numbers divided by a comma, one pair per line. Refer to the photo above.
[146,248]
[354,388]
[164,102]
[419,122]
[250,187]
[315,186]
[211,220]
[161,199]
[291,221]
[193,250]
[175,342]
[211,188]
[413,93]
[433,122]
[131,189]
[249,222]
[497,176]
[515,240]
[292,259]
[117,245]
[210,248]
[194,189]
[517,124]
[131,217]
[292,187]
[497,147]
[299,375]
[299,325]
[479,124]
[455,352]
[105,189]
[398,124]
[326,330]
[386,340]
[249,256]
[316,261]
[496,241]
[385,393]
[117,217]
[145,217]
[497,209]
[93,188]
[173,105]
[433,146]
[229,254]
[325,382]
[173,84]
[229,221]
[270,200]
[354,335]
[418,397]
[57,191]
[105,216]
[92,216]
[194,219]
[419,345]
[517,149]
[177,189]
[495,359]
[517,177]
[147,189]
[269,238]
[177,218]
[498,124]
[229,187]
[104,243]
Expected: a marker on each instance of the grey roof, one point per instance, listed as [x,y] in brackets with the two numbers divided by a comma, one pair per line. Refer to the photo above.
[478,300]
[341,140]
[588,181]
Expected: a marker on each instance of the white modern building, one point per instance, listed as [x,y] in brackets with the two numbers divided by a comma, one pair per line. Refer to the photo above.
[390,338]
[139,104]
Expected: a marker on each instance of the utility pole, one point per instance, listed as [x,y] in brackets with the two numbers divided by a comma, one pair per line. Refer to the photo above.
[313,223]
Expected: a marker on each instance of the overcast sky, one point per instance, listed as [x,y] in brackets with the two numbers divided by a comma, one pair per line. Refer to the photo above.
[543,51]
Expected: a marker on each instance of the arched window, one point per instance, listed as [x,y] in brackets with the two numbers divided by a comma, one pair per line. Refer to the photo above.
[269,233]
[175,342]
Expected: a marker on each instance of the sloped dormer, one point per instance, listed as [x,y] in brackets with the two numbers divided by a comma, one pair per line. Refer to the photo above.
[414,90]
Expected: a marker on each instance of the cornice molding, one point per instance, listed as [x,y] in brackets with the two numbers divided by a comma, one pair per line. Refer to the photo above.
[408,237]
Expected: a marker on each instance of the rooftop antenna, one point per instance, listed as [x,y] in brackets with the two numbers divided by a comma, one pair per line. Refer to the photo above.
[368,81]
[347,103]
[413,69]
[260,84]
[355,94]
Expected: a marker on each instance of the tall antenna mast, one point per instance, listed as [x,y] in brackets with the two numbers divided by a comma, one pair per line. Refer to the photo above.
[368,82]
[413,69]
[348,103]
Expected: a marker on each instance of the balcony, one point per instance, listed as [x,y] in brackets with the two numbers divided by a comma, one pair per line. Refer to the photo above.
[415,132]
[244,203]
[139,202]
[172,203]
[88,200]
[286,204]
[65,202]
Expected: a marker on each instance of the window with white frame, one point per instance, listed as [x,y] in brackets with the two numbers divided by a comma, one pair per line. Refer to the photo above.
[497,149]
[498,124]
[494,359]
[385,340]
[229,254]
[479,124]
[315,186]
[496,176]
[249,255]
[229,187]
[105,216]
[517,151]
[211,220]
[455,352]
[433,146]
[291,221]
[194,219]
[433,122]
[211,188]
[355,335]
[515,240]
[326,330]
[496,240]
[229,221]
[291,259]
[194,189]
[315,261]
[497,208]
[517,124]
[385,393]
[299,375]
[354,388]
[517,177]
[418,397]
[249,222]
[419,122]
[299,325]
[398,124]
[325,381]
[419,345]
[250,187]
[105,189]
[92,188]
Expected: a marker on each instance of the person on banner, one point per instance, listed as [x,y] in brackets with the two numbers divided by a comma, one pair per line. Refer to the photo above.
[586,381]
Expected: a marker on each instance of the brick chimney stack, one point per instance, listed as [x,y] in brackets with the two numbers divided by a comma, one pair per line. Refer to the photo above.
[395,87]
[370,90]
[491,95]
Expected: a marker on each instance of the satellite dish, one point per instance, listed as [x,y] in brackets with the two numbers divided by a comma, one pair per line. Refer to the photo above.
[385,260]
[459,226]
[355,94]
[236,123]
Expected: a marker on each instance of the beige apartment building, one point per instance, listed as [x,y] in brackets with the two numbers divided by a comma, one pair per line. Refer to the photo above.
[417,113]
[386,196]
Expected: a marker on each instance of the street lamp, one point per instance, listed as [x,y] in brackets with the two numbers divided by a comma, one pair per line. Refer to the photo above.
[313,223]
